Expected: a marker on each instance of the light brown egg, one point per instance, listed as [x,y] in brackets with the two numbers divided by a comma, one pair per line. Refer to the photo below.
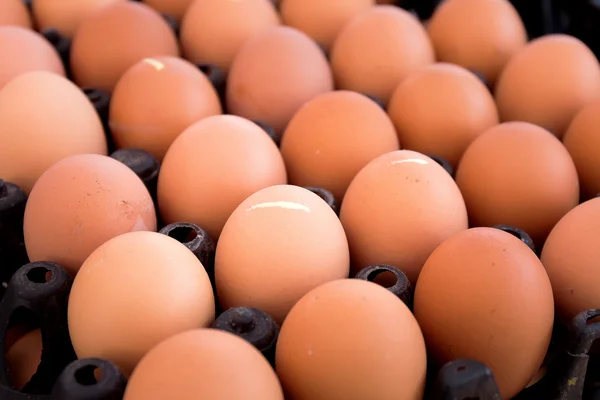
[212,32]
[351,339]
[285,233]
[114,38]
[548,82]
[320,20]
[207,364]
[484,295]
[274,74]
[518,174]
[23,358]
[65,15]
[212,167]
[43,119]
[14,12]
[156,100]
[81,202]
[332,137]
[23,50]
[378,49]
[173,8]
[398,209]
[479,35]
[440,110]
[133,292]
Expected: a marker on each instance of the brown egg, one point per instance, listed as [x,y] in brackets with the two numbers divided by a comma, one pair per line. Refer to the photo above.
[274,74]
[65,15]
[484,295]
[441,109]
[548,82]
[320,20]
[114,38]
[332,137]
[23,50]
[285,233]
[23,358]
[133,292]
[351,339]
[43,119]
[173,8]
[156,100]
[81,202]
[212,32]
[479,35]
[570,256]
[207,364]
[398,209]
[518,174]
[378,49]
[14,12]
[212,167]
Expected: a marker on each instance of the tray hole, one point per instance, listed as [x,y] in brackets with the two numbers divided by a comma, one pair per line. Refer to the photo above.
[89,375]
[383,277]
[593,319]
[183,234]
[462,368]
[39,275]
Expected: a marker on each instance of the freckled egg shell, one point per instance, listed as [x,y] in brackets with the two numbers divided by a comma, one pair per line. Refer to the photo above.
[175,88]
[14,12]
[398,209]
[484,295]
[173,8]
[351,339]
[274,74]
[114,38]
[441,109]
[279,243]
[134,291]
[81,202]
[378,49]
[23,358]
[332,137]
[43,119]
[529,90]
[518,174]
[212,32]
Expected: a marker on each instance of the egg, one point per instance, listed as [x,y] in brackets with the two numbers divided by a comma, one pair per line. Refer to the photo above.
[378,49]
[114,38]
[173,8]
[212,167]
[478,35]
[320,20]
[274,74]
[175,87]
[278,244]
[351,339]
[398,209]
[23,50]
[212,32]
[134,291]
[484,295]
[14,12]
[518,174]
[441,109]
[43,119]
[203,363]
[78,204]
[548,82]
[23,358]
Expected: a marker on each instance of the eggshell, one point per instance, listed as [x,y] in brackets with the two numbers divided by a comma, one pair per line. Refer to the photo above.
[548,82]
[351,339]
[173,8]
[441,109]
[378,49]
[320,20]
[156,100]
[133,292]
[43,119]
[278,244]
[81,202]
[114,38]
[212,167]
[518,174]
[23,358]
[398,209]
[274,74]
[484,295]
[212,32]
[14,12]
[332,137]
[23,50]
